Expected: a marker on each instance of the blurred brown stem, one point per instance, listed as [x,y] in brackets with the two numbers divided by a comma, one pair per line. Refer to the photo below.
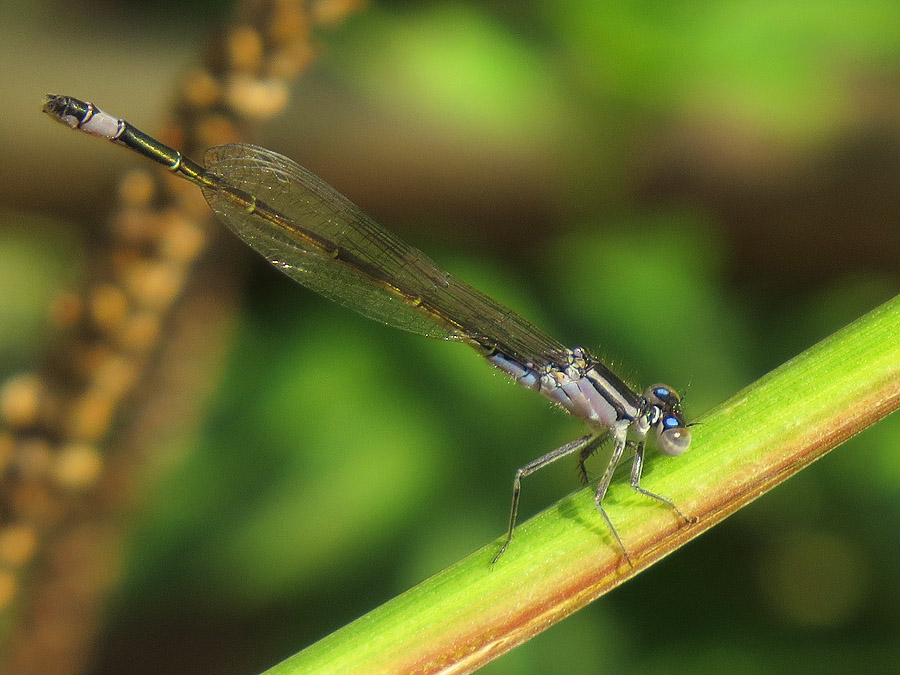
[138,349]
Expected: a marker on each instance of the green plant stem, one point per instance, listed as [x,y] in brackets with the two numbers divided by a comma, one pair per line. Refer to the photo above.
[562,559]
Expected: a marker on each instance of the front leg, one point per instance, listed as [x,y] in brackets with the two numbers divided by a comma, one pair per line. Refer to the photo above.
[637,468]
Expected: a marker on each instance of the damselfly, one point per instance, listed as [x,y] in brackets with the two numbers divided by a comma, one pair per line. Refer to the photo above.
[318,237]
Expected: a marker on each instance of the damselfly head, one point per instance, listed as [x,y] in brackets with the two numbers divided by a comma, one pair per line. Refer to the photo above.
[672,435]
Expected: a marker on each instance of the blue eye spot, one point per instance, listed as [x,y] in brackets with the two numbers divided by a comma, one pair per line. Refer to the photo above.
[665,395]
[671,422]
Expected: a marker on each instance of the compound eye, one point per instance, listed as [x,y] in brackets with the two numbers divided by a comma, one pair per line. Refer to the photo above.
[663,395]
[673,440]
[670,422]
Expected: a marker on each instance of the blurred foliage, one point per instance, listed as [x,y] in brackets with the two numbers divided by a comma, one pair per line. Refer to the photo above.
[31,276]
[343,461]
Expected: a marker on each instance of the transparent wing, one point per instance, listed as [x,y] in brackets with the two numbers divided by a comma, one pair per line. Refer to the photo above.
[325,242]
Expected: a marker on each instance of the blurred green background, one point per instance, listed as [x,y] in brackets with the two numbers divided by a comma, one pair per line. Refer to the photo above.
[696,190]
